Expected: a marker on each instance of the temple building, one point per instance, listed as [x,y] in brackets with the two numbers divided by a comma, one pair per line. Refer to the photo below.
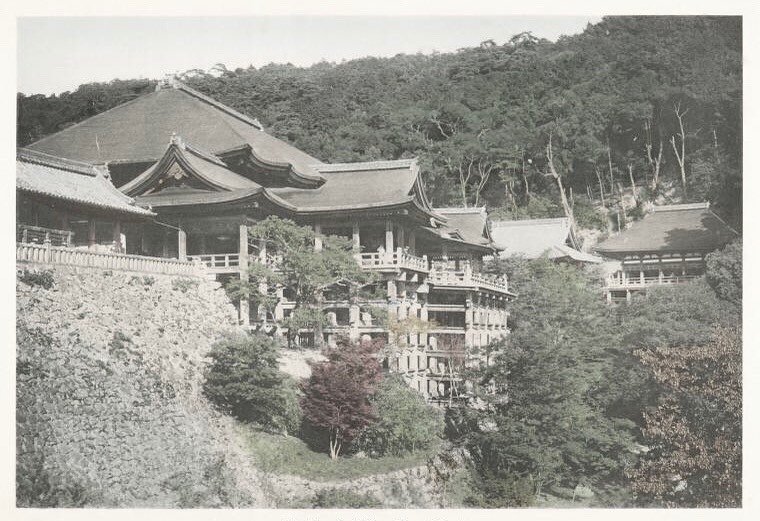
[68,203]
[535,238]
[203,173]
[667,247]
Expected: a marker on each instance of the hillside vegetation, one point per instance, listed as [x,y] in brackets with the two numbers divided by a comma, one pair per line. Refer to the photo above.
[654,102]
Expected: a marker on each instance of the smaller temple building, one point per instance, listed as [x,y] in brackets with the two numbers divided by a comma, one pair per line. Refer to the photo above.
[535,238]
[65,203]
[668,246]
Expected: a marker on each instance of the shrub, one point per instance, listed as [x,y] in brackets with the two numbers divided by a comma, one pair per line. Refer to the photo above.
[245,381]
[43,278]
[404,423]
[337,498]
[184,284]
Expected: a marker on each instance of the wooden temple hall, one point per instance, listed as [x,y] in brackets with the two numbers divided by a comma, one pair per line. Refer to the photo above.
[667,247]
[193,174]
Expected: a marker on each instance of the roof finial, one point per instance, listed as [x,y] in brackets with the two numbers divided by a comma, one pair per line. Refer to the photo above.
[176,140]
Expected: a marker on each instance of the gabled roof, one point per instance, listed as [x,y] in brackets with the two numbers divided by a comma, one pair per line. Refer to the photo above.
[173,198]
[186,164]
[530,238]
[136,131]
[672,228]
[534,238]
[72,181]
[351,186]
[470,224]
[463,226]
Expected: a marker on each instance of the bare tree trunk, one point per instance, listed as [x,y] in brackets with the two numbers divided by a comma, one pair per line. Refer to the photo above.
[633,184]
[654,163]
[622,203]
[601,186]
[609,162]
[525,180]
[484,173]
[680,157]
[553,173]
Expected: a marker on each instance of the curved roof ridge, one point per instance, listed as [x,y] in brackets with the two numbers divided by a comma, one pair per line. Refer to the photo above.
[461,210]
[71,165]
[529,222]
[364,165]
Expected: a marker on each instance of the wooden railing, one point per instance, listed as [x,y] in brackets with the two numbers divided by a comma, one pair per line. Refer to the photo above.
[218,263]
[616,282]
[37,235]
[443,277]
[47,254]
[393,260]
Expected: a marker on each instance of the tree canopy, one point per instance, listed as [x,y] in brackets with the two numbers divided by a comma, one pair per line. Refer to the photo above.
[631,98]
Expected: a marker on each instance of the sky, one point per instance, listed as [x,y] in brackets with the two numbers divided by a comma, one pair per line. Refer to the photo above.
[57,54]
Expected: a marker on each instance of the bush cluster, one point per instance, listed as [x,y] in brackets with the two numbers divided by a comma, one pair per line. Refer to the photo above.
[245,381]
[43,279]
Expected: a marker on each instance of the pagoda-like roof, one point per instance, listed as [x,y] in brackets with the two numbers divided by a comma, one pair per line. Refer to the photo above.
[136,132]
[678,228]
[75,182]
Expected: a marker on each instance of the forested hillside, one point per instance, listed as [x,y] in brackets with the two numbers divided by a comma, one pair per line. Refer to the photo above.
[654,102]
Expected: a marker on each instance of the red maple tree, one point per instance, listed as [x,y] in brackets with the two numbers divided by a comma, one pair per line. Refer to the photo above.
[336,396]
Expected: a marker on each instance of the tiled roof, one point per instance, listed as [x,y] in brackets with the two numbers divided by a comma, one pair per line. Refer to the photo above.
[468,223]
[137,131]
[534,238]
[72,181]
[206,167]
[170,198]
[530,238]
[354,186]
[673,228]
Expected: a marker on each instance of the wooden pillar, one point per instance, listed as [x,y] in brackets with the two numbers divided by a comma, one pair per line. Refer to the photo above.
[659,268]
[165,245]
[91,232]
[318,237]
[245,318]
[356,237]
[423,318]
[181,244]
[389,236]
[400,239]
[412,243]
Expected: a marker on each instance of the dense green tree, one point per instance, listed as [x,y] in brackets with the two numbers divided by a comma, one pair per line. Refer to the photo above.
[676,316]
[244,380]
[304,271]
[724,272]
[404,424]
[551,421]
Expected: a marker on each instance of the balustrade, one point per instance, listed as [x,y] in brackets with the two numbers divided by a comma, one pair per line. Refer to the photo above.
[47,254]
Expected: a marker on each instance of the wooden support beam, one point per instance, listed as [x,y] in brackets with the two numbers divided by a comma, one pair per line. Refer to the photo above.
[181,244]
[356,236]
